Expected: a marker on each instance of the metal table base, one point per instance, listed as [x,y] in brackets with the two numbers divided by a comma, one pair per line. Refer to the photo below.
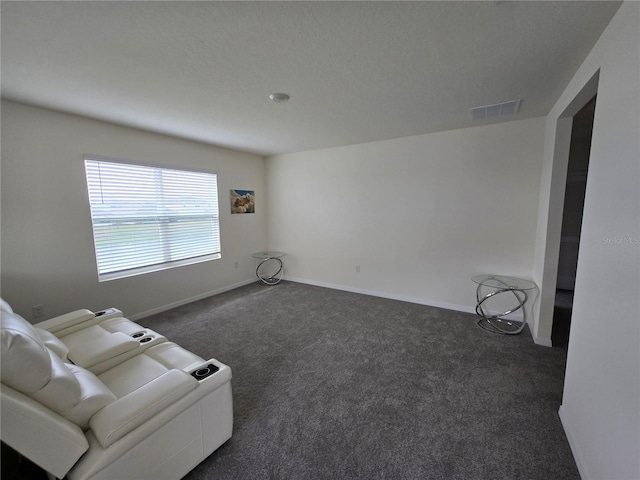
[266,267]
[496,323]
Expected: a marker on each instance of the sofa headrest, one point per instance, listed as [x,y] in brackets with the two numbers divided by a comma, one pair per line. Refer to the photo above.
[5,307]
[25,361]
[33,369]
[53,343]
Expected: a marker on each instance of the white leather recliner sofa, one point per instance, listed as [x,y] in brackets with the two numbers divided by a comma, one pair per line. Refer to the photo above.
[96,341]
[135,410]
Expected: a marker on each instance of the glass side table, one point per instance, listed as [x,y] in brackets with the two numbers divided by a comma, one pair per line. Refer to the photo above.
[269,269]
[498,284]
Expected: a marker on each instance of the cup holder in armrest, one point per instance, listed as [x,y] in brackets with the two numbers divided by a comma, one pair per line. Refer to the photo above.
[142,336]
[107,314]
[147,338]
[204,372]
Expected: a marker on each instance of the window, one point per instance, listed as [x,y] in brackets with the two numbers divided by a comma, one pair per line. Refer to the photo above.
[147,218]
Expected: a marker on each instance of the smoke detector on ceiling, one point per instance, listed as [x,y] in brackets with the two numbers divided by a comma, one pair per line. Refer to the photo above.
[496,110]
[279,97]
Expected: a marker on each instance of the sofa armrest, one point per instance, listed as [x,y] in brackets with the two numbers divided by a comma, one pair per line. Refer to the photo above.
[67,320]
[100,350]
[49,440]
[129,412]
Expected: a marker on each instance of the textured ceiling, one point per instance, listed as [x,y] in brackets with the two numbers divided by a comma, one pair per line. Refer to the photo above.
[356,71]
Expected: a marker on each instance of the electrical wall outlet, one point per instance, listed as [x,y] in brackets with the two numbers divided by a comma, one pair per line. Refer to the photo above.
[37,311]
[357,268]
[236,265]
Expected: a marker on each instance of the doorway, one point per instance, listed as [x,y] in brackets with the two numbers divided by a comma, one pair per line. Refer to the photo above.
[573,207]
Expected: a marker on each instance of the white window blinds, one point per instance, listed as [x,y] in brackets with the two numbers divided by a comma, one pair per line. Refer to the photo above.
[147,218]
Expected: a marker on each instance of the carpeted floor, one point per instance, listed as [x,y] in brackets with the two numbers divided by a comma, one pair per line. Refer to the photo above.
[336,385]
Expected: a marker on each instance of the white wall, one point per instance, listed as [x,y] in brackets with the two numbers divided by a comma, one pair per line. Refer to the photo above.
[420,215]
[47,243]
[601,402]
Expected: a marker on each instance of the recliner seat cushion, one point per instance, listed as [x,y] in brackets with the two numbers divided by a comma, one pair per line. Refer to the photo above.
[129,375]
[172,355]
[153,362]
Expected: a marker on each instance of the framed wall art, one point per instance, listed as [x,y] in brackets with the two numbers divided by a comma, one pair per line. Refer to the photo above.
[243,201]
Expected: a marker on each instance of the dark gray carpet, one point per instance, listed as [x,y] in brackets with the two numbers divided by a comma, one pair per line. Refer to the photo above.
[335,385]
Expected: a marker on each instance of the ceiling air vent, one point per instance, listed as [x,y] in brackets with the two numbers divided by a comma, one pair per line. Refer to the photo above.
[497,110]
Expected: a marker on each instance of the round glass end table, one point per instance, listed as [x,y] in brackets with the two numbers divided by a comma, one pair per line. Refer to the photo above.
[498,284]
[269,269]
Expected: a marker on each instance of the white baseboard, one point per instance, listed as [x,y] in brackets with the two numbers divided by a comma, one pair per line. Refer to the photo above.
[545,342]
[403,298]
[582,467]
[179,303]
[376,293]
